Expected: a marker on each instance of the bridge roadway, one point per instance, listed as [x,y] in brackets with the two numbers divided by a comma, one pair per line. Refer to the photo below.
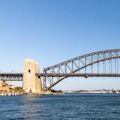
[19,76]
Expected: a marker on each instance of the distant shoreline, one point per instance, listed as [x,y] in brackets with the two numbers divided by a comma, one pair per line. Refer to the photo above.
[94,91]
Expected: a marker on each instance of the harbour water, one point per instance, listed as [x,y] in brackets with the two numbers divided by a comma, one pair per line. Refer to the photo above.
[61,107]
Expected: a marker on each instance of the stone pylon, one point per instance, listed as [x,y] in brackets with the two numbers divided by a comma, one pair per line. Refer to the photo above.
[31,82]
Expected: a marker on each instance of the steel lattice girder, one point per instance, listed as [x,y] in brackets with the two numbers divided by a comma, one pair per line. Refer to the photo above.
[81,62]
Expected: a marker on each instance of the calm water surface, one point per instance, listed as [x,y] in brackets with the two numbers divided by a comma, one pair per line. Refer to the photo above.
[62,107]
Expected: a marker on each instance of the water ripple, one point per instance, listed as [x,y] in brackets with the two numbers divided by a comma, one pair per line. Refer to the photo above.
[63,107]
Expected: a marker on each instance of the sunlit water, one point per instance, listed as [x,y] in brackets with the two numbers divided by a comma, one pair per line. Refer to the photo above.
[61,107]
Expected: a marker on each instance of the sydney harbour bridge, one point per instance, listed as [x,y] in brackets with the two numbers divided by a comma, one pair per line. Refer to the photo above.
[104,63]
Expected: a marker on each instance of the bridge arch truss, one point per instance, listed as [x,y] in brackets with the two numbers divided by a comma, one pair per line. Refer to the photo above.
[104,63]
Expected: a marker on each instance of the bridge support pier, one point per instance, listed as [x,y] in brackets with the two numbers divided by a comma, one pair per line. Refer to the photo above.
[31,82]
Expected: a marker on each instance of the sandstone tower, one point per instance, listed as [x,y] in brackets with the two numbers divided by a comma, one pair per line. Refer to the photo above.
[31,82]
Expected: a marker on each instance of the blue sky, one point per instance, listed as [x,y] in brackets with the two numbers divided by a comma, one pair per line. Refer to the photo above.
[51,31]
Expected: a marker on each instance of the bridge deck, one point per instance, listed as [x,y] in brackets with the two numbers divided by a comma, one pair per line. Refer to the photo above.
[19,76]
[79,75]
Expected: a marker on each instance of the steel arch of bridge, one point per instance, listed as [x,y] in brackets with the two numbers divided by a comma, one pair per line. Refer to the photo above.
[73,67]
